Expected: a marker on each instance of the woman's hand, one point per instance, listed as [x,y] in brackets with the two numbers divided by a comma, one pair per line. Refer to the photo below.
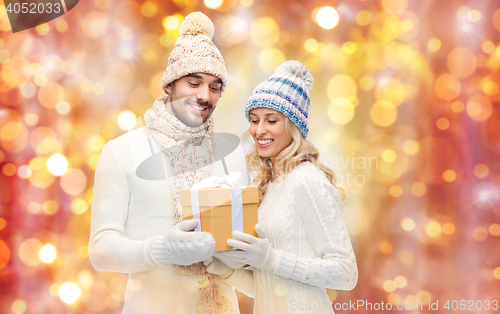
[257,252]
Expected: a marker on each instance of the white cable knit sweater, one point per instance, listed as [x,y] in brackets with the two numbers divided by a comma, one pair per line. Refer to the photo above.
[128,212]
[303,219]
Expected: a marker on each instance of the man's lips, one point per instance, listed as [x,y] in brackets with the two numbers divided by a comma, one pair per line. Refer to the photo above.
[198,109]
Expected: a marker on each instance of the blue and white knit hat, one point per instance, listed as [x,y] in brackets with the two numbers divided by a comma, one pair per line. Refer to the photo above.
[286,91]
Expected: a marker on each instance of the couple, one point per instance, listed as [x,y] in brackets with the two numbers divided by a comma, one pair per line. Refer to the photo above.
[137,228]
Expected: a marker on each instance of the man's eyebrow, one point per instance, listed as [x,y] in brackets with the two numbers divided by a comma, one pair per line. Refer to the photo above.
[218,81]
[194,75]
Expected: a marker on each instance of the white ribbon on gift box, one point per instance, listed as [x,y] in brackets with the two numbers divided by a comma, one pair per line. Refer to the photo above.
[231,181]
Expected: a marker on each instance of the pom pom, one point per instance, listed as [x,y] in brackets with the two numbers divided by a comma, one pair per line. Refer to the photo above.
[197,23]
[298,69]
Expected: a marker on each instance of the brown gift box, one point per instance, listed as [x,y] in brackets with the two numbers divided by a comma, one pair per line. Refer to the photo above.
[215,212]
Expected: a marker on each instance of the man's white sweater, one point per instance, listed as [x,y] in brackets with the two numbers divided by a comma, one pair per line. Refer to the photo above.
[134,204]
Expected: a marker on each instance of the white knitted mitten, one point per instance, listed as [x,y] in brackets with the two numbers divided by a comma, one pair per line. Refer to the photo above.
[257,252]
[183,247]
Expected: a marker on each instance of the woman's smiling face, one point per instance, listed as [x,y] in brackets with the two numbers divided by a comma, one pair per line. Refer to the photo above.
[268,129]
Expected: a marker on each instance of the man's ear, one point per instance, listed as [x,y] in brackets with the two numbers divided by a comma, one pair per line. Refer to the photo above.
[168,88]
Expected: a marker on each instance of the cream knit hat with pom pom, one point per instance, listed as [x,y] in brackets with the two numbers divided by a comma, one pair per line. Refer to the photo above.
[194,51]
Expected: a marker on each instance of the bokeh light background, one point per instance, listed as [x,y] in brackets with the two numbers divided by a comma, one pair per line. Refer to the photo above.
[405,109]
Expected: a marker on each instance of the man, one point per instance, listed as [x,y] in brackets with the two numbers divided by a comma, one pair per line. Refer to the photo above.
[137,225]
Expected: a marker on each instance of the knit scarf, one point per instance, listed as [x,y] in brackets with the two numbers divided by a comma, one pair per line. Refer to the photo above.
[190,150]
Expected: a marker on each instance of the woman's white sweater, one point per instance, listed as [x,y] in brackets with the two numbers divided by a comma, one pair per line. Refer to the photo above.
[132,206]
[303,219]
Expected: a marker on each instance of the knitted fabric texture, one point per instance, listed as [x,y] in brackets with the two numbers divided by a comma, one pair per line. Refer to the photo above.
[287,91]
[194,51]
[190,150]
[303,219]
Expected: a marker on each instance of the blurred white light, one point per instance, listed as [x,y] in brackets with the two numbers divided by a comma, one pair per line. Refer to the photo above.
[484,195]
[213,4]
[69,292]
[171,22]
[127,53]
[63,107]
[466,28]
[47,253]
[327,17]
[126,120]
[57,164]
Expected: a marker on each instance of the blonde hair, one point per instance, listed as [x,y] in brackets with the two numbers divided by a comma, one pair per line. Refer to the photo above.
[300,150]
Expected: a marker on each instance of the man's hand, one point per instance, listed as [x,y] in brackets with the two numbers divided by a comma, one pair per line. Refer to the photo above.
[217,267]
[181,246]
[258,252]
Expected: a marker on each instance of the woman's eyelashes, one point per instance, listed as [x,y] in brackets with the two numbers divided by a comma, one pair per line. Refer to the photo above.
[257,121]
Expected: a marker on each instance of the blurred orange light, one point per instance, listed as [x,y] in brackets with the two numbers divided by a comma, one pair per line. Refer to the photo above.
[479,108]
[481,171]
[246,3]
[400,282]
[433,228]
[3,223]
[443,123]
[411,147]
[434,44]
[480,234]
[42,29]
[9,169]
[496,273]
[457,106]
[396,191]
[447,87]
[389,286]
[50,207]
[418,188]
[393,298]
[449,175]
[311,45]
[385,248]
[424,297]
[494,229]
[4,254]
[488,47]
[389,156]
[364,18]
[148,9]
[62,26]
[448,228]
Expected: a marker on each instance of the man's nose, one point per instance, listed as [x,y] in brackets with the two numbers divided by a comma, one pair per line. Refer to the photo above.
[203,94]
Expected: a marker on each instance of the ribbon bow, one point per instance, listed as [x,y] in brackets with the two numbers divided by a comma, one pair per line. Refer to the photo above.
[231,181]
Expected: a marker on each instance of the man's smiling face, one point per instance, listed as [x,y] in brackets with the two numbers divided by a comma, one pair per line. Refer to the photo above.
[193,97]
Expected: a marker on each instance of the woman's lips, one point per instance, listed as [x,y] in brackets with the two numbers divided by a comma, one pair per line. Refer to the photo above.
[264,145]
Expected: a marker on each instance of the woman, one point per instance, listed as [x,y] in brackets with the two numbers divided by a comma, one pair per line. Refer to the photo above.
[303,245]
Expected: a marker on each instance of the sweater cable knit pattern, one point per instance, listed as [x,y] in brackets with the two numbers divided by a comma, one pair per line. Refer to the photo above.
[303,220]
